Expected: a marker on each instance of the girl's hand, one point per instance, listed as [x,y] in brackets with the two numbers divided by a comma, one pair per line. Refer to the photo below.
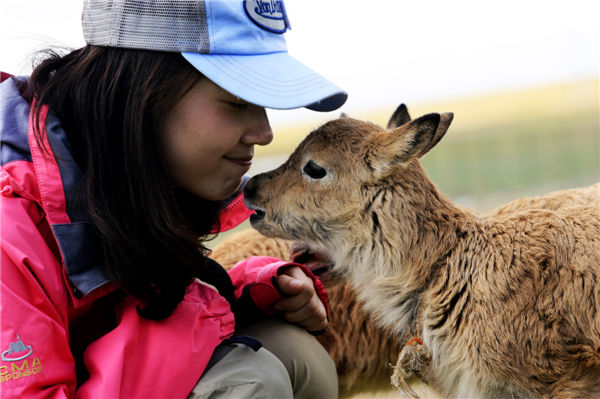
[302,305]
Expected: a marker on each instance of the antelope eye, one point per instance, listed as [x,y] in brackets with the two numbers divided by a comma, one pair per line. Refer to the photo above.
[314,171]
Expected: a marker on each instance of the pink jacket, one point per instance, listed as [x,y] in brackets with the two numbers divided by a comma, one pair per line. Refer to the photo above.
[49,277]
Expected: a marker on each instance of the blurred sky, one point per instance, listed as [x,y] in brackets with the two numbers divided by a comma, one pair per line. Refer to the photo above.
[384,52]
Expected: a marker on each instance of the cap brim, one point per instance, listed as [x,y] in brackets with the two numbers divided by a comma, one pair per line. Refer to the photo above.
[275,80]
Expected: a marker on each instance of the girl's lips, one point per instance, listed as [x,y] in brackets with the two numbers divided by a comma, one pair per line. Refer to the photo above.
[245,162]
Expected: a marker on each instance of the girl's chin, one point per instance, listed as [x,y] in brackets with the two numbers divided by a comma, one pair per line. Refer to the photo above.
[226,190]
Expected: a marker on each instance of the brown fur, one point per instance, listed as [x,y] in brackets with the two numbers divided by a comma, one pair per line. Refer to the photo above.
[366,368]
[553,201]
[507,304]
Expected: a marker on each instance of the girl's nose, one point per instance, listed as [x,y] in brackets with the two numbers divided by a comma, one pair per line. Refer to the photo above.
[259,130]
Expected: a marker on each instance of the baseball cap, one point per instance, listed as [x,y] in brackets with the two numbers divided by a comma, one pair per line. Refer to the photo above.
[238,44]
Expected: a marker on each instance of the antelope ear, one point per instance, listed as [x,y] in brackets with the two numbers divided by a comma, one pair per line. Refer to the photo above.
[399,117]
[445,121]
[410,141]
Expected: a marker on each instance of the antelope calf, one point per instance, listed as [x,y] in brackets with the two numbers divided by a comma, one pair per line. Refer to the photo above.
[501,305]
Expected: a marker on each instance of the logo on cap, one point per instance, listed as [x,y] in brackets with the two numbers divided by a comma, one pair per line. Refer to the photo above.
[267,14]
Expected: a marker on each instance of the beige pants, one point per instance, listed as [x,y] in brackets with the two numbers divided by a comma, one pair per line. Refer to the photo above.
[292,364]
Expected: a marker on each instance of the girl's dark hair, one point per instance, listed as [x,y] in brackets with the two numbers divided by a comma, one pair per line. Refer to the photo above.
[109,102]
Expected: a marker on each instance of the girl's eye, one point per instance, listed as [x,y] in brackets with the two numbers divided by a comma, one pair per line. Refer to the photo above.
[237,105]
[314,171]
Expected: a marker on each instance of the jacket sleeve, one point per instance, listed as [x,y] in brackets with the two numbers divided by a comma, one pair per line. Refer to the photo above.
[255,280]
[36,360]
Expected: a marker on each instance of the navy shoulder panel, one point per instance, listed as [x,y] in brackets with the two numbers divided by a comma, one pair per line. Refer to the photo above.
[14,123]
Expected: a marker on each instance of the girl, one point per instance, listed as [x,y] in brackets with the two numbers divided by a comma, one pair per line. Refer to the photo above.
[119,160]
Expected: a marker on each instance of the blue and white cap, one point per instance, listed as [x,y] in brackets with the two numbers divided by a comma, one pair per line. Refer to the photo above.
[238,44]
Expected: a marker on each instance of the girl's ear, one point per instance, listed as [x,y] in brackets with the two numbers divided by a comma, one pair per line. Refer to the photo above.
[392,148]
[399,117]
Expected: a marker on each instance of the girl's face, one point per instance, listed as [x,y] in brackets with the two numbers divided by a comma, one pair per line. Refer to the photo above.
[207,140]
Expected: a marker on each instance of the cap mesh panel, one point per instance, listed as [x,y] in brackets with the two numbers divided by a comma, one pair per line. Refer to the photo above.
[163,25]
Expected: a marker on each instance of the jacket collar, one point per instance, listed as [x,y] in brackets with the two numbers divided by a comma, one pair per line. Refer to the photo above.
[58,177]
